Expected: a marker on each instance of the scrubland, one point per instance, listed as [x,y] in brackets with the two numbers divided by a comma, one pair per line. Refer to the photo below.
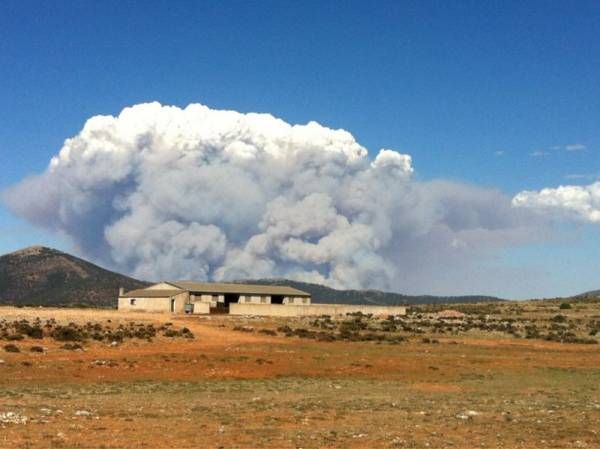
[506,375]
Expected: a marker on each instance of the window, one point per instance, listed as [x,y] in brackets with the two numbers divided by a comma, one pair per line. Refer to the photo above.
[132,302]
[305,300]
[263,299]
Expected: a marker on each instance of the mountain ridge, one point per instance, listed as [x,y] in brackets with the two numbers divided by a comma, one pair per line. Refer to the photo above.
[324,294]
[43,276]
[38,275]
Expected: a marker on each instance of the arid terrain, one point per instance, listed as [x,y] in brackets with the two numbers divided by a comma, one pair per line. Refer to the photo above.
[504,375]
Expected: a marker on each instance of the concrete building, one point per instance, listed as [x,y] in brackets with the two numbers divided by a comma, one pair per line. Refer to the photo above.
[205,297]
[236,299]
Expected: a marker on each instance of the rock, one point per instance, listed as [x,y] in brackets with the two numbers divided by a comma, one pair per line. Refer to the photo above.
[104,362]
[12,418]
[467,415]
[83,413]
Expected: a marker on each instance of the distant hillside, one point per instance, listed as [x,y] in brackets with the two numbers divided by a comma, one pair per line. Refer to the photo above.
[322,294]
[45,276]
[590,294]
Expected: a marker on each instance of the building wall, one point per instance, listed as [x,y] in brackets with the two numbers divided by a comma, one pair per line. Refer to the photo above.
[311,310]
[297,300]
[209,299]
[160,304]
[201,308]
[255,299]
[162,286]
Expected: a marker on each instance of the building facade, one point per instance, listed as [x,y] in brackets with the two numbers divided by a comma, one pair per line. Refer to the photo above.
[204,297]
[237,299]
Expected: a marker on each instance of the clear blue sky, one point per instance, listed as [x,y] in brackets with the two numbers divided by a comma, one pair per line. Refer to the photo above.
[451,83]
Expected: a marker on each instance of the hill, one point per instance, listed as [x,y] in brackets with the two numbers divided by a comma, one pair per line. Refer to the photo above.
[43,276]
[588,295]
[323,294]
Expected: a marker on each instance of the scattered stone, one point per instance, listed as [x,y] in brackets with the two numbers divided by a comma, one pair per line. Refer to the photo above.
[12,418]
[467,415]
[83,413]
[104,362]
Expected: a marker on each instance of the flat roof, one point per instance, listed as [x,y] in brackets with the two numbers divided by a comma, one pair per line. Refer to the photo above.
[242,289]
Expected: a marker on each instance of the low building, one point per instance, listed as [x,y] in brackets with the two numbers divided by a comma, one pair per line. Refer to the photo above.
[207,297]
[237,299]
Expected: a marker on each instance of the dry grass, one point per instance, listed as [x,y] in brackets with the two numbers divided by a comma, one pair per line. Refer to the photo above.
[235,389]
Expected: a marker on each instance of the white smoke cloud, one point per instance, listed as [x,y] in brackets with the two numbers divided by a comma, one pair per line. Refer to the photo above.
[163,192]
[580,203]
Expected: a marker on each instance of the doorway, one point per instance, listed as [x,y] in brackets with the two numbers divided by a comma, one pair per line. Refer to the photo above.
[223,307]
[172,305]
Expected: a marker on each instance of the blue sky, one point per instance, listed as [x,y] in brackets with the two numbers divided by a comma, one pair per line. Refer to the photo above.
[488,93]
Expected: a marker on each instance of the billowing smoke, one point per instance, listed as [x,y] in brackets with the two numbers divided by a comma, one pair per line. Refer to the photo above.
[163,192]
[581,203]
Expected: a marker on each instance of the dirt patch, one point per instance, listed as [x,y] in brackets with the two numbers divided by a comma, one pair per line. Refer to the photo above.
[464,391]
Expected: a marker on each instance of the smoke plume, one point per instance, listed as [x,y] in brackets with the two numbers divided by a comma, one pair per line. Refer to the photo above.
[163,192]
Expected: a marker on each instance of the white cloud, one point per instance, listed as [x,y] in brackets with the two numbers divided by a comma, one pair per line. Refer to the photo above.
[539,153]
[499,153]
[575,147]
[585,176]
[572,202]
[164,192]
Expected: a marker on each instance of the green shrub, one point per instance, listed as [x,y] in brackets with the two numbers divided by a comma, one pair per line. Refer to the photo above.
[67,333]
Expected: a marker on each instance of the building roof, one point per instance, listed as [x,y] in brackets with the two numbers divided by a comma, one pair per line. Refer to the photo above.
[150,293]
[242,289]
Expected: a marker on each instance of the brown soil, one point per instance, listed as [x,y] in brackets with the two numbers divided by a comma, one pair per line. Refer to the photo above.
[234,389]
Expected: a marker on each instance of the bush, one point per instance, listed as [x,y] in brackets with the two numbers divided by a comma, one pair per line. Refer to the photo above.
[29,330]
[67,333]
[15,337]
[565,306]
[11,348]
[36,349]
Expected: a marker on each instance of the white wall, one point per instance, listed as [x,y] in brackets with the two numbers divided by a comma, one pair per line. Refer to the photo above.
[311,310]
[299,300]
[201,308]
[154,304]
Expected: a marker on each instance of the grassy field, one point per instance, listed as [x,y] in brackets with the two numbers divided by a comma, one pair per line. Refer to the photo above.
[357,382]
